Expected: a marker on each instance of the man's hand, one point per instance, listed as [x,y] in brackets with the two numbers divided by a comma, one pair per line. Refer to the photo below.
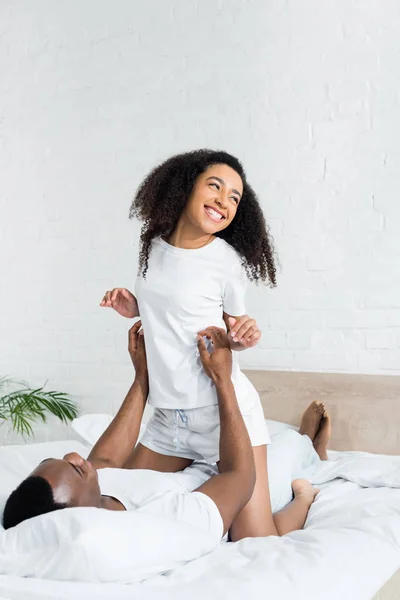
[137,349]
[244,332]
[123,301]
[217,364]
[115,446]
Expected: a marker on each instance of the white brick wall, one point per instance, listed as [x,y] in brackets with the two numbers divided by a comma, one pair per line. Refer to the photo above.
[93,93]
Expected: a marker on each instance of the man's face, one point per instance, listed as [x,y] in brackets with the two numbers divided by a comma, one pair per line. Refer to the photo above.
[73,480]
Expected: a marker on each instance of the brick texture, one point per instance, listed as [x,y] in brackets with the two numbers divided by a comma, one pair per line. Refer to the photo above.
[93,95]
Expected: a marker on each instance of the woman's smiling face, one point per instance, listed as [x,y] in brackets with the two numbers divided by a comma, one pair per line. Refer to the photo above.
[214,200]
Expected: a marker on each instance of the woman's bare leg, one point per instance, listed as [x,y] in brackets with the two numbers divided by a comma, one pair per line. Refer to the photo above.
[144,458]
[256,518]
[294,515]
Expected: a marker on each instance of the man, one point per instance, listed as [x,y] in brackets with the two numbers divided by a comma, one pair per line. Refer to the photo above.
[74,481]
[107,479]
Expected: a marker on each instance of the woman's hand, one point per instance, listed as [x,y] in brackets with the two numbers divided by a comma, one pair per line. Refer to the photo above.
[243,332]
[123,301]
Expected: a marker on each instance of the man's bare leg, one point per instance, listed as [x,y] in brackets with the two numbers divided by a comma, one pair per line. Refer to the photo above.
[315,423]
[323,437]
[311,419]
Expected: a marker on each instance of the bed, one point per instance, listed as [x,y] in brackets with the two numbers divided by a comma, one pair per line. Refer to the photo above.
[366,416]
[365,410]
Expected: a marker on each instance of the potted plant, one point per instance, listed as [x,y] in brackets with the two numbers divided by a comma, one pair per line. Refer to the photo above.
[21,406]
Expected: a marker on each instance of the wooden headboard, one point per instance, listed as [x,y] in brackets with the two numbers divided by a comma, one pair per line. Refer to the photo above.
[365,409]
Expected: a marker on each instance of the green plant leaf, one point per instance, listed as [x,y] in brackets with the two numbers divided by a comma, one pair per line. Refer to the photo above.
[24,406]
[20,421]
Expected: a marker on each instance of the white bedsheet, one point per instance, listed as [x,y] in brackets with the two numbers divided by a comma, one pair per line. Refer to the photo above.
[349,548]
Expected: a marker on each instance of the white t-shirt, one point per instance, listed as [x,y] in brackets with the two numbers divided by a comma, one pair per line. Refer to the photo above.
[167,495]
[184,292]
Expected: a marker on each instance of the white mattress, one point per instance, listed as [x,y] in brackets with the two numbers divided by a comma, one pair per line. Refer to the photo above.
[349,548]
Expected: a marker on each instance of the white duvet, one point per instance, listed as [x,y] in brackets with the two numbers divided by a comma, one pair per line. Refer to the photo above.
[349,548]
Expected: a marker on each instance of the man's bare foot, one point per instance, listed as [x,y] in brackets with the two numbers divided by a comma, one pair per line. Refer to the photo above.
[323,437]
[311,419]
[304,490]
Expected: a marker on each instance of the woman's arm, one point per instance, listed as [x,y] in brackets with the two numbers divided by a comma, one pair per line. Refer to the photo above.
[123,301]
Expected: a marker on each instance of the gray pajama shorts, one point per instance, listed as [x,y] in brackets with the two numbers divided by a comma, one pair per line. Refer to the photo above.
[194,433]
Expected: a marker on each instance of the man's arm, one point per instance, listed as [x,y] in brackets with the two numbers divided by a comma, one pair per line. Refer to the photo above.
[233,487]
[117,442]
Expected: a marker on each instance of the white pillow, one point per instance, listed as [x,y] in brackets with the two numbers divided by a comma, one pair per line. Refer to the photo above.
[91,427]
[98,545]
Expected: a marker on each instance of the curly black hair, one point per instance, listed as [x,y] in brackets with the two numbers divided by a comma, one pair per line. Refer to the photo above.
[33,497]
[162,196]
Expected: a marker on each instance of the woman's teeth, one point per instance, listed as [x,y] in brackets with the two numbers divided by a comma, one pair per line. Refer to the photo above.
[214,214]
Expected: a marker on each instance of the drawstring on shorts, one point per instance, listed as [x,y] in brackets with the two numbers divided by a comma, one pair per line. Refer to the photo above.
[182,415]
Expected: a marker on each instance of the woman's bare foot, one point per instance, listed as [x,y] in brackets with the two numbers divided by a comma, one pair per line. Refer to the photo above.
[323,437]
[304,490]
[311,419]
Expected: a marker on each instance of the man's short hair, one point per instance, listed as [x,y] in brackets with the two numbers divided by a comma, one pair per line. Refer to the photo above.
[33,497]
